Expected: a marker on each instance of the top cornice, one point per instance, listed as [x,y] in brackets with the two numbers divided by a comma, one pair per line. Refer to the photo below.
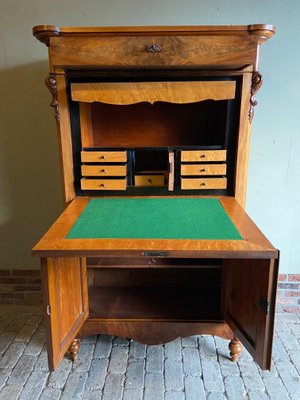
[260,31]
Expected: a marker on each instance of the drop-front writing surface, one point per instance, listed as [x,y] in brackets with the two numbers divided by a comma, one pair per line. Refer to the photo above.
[161,113]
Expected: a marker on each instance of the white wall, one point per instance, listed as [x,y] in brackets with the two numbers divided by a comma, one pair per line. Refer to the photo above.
[30,195]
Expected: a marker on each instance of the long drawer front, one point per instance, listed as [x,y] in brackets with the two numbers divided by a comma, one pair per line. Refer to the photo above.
[156,49]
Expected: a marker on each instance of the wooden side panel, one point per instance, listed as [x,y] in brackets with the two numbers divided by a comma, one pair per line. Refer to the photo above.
[65,302]
[243,142]
[86,125]
[65,140]
[250,304]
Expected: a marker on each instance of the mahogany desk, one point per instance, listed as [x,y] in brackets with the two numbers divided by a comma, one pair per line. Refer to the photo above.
[156,113]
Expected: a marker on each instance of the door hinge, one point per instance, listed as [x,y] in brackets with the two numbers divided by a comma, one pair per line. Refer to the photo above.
[264,305]
[48,310]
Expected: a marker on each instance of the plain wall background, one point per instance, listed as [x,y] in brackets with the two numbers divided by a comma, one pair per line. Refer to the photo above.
[30,188]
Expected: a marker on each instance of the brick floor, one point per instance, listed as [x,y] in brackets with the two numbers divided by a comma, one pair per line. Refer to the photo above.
[114,369]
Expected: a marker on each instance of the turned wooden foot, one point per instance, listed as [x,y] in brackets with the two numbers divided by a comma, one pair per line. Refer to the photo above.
[74,348]
[235,347]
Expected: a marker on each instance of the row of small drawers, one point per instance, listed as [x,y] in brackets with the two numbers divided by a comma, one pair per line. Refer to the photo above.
[198,168]
[186,156]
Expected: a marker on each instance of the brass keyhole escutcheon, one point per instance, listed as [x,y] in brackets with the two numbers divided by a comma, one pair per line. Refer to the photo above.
[154,48]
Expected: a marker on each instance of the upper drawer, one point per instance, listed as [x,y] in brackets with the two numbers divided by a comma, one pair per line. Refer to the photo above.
[103,156]
[203,155]
[142,51]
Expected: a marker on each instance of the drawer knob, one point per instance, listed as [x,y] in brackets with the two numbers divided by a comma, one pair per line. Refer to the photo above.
[202,184]
[154,48]
[150,181]
[103,171]
[202,156]
[101,185]
[202,170]
[102,157]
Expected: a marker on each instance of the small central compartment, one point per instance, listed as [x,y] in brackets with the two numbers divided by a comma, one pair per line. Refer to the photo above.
[166,293]
[151,167]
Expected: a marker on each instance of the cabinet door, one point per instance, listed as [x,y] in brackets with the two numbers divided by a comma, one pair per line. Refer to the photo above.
[65,302]
[250,304]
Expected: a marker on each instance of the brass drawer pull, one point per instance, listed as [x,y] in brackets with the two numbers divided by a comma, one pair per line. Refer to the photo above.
[154,48]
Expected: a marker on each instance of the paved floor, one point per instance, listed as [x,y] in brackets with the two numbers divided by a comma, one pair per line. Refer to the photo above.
[111,368]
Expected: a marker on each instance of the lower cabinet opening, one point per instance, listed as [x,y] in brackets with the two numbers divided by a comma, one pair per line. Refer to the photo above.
[156,293]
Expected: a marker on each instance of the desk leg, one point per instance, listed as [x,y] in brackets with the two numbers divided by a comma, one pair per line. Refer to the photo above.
[74,348]
[235,347]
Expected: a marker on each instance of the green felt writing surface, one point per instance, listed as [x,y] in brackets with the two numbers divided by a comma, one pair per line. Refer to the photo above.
[154,218]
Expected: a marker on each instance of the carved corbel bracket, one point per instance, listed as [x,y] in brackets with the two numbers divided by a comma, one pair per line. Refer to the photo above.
[257,81]
[52,86]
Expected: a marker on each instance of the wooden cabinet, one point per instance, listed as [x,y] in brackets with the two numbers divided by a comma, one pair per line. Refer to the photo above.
[154,129]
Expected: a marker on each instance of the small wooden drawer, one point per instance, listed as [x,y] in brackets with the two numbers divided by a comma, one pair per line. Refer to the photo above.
[203,155]
[103,184]
[206,183]
[103,170]
[149,180]
[103,156]
[203,169]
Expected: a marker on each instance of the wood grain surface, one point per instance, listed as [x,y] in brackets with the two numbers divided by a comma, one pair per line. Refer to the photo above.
[123,93]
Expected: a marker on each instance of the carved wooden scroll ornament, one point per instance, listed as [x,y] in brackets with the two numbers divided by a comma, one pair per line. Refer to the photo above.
[51,85]
[257,81]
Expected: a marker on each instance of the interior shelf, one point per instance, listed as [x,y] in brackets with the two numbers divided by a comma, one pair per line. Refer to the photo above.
[156,293]
[155,303]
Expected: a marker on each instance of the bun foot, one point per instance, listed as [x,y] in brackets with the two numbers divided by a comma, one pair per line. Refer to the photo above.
[74,348]
[235,348]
